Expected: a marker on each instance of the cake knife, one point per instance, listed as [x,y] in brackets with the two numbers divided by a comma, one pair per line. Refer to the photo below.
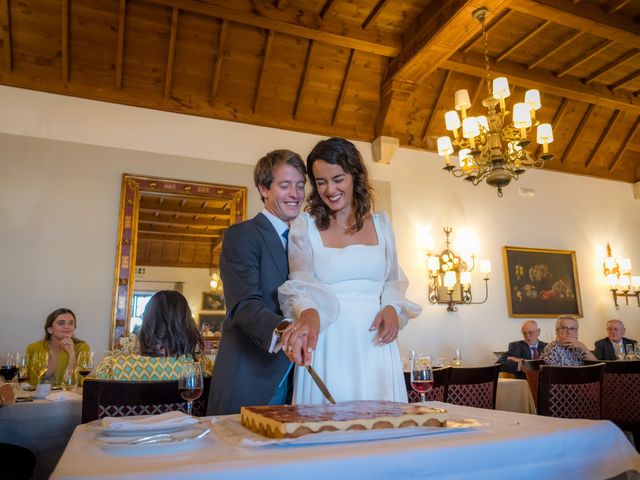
[323,388]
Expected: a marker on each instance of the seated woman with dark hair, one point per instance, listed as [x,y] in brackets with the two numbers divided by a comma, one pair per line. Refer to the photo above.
[168,339]
[60,343]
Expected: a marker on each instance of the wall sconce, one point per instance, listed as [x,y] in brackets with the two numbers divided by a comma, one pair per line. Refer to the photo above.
[450,277]
[621,282]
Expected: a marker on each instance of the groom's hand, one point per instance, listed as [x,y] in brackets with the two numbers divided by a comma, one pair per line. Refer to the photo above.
[300,339]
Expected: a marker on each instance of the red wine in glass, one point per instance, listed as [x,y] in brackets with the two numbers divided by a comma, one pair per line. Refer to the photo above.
[8,372]
[84,372]
[422,386]
[190,394]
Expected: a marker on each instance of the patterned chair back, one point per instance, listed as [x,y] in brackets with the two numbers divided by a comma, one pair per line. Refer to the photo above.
[474,386]
[570,392]
[108,398]
[621,393]
[437,393]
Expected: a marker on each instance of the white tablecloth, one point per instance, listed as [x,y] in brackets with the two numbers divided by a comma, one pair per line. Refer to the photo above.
[534,447]
[514,395]
[42,426]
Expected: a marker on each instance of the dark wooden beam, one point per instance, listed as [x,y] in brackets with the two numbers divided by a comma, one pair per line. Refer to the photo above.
[603,137]
[632,133]
[556,49]
[623,81]
[611,66]
[436,106]
[518,43]
[172,53]
[617,5]
[327,8]
[487,28]
[585,58]
[374,13]
[222,43]
[304,79]
[557,118]
[263,68]
[122,15]
[578,132]
[343,89]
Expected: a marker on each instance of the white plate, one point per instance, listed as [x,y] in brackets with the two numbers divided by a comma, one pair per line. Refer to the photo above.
[231,430]
[142,430]
[179,441]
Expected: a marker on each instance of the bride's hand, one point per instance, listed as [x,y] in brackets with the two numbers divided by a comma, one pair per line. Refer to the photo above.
[301,337]
[386,322]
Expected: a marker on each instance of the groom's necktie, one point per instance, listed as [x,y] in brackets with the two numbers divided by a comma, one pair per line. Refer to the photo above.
[285,235]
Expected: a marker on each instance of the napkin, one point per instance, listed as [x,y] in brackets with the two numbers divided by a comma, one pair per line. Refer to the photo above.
[63,396]
[168,419]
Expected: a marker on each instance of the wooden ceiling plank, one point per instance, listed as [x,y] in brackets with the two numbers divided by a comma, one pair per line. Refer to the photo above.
[327,8]
[603,136]
[556,49]
[343,89]
[436,106]
[611,66]
[576,135]
[434,35]
[265,61]
[522,41]
[592,53]
[544,81]
[222,43]
[617,5]
[122,15]
[482,84]
[488,27]
[332,32]
[304,79]
[587,17]
[632,133]
[374,13]
[5,26]
[65,41]
[623,81]
[172,53]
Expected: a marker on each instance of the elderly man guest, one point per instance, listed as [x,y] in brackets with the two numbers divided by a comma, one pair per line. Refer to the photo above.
[529,348]
[566,350]
[613,345]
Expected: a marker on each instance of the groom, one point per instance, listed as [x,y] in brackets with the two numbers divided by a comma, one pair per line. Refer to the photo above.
[253,264]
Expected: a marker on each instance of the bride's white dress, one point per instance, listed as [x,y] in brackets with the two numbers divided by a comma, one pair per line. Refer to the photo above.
[348,286]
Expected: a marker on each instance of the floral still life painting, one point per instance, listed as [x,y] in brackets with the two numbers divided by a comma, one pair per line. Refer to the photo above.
[541,282]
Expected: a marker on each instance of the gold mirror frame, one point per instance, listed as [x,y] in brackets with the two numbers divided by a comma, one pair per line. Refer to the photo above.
[132,188]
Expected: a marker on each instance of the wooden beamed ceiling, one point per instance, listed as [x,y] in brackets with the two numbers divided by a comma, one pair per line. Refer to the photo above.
[352,68]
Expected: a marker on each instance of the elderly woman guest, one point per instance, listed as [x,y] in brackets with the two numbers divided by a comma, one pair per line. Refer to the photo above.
[60,343]
[345,287]
[566,350]
[168,338]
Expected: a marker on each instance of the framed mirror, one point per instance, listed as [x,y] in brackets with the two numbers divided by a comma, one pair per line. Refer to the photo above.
[166,228]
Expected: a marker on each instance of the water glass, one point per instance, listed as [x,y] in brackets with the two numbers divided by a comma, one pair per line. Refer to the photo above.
[69,380]
[630,349]
[457,357]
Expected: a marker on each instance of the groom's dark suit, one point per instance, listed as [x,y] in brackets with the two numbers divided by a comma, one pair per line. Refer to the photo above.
[253,264]
[518,349]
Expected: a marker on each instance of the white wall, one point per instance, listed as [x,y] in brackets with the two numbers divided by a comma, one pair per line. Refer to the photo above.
[61,161]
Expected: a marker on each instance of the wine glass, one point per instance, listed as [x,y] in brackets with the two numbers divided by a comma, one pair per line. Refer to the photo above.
[190,383]
[457,357]
[630,349]
[39,365]
[23,368]
[84,364]
[421,374]
[8,365]
[69,380]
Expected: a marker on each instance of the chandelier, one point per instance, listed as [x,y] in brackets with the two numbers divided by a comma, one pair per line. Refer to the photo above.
[450,276]
[489,147]
[621,282]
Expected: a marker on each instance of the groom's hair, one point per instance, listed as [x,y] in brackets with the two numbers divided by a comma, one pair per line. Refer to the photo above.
[263,172]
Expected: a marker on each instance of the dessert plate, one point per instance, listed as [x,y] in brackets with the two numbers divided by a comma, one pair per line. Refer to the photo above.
[140,430]
[187,438]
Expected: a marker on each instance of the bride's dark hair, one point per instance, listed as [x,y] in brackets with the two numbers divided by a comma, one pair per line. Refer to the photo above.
[338,151]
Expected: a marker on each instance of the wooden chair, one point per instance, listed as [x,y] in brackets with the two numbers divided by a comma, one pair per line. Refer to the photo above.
[570,392]
[108,398]
[439,390]
[531,372]
[473,386]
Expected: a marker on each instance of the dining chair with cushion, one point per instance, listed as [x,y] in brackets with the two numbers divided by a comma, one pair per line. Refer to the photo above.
[439,390]
[570,392]
[473,386]
[108,398]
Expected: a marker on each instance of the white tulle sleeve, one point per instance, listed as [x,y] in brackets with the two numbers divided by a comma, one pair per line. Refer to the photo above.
[303,290]
[396,282]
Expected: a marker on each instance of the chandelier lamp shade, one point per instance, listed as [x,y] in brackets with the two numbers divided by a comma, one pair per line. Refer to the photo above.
[620,280]
[492,147]
[450,276]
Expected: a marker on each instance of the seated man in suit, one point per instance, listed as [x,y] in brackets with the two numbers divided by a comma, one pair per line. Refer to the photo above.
[528,349]
[612,347]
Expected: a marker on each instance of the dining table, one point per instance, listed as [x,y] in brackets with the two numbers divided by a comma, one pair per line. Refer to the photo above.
[514,395]
[477,443]
[43,426]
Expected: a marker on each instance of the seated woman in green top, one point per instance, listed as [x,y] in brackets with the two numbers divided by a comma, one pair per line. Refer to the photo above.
[60,343]
[168,338]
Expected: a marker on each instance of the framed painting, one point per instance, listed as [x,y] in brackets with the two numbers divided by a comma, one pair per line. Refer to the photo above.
[212,300]
[210,321]
[541,282]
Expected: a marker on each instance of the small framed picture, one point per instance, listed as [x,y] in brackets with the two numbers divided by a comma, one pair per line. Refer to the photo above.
[541,282]
[212,301]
